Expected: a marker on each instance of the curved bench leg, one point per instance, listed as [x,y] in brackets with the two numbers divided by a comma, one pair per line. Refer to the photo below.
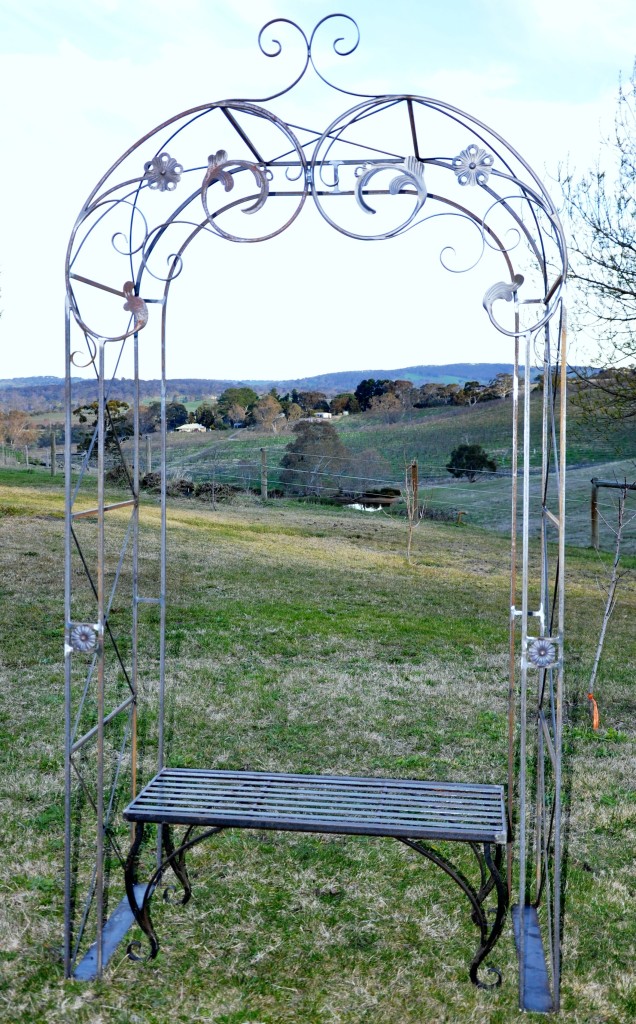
[490,940]
[490,878]
[175,858]
[142,913]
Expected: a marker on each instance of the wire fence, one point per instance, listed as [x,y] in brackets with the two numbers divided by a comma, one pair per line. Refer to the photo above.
[247,465]
[365,478]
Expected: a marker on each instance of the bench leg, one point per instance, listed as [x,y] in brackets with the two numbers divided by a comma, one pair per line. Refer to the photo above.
[491,938]
[175,858]
[142,913]
[490,878]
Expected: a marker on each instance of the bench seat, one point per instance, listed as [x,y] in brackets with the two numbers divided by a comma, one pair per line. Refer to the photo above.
[323,803]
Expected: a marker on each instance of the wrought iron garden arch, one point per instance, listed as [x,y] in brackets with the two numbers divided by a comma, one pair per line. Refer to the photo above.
[151,206]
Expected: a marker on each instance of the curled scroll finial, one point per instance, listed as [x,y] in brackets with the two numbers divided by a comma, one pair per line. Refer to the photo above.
[270,46]
[339,45]
[277,48]
[505,290]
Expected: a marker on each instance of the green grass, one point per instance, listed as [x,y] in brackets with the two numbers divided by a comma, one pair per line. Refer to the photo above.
[299,639]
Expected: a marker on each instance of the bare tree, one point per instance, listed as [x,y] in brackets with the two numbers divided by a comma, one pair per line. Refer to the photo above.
[265,414]
[602,211]
[16,428]
[615,579]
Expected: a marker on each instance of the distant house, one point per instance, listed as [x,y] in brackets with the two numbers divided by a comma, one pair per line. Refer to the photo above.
[322,415]
[191,428]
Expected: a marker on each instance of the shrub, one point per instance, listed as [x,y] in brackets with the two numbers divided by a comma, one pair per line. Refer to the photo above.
[470,460]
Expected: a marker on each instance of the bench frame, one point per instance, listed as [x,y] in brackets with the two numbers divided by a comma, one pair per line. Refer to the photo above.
[215,801]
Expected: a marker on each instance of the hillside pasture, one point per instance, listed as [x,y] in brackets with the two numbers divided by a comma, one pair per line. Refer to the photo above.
[380,451]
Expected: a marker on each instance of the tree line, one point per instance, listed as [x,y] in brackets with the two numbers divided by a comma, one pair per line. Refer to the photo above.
[243,407]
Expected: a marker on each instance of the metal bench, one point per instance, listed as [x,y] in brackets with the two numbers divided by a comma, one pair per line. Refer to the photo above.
[411,811]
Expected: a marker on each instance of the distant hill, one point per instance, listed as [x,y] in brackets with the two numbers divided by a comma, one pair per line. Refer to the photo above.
[345,380]
[43,393]
[348,380]
[30,382]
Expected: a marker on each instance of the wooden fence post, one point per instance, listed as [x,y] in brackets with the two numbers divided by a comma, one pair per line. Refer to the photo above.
[594,513]
[264,474]
[415,485]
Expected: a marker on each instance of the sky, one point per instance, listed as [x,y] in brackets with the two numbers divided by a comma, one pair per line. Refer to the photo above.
[82,80]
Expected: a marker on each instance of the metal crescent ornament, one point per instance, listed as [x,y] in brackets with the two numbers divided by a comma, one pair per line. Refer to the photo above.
[411,173]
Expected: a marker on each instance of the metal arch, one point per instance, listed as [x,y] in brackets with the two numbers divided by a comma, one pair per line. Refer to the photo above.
[486,184]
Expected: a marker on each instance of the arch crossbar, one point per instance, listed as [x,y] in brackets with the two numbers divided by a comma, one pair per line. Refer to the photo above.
[387,166]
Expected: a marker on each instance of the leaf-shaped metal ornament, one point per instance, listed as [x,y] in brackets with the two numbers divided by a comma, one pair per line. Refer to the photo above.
[217,164]
[135,304]
[411,173]
[215,172]
[505,290]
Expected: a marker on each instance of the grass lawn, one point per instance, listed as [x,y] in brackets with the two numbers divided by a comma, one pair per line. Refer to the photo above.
[299,639]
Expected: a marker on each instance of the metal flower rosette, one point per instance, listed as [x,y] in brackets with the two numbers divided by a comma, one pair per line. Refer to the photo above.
[239,171]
